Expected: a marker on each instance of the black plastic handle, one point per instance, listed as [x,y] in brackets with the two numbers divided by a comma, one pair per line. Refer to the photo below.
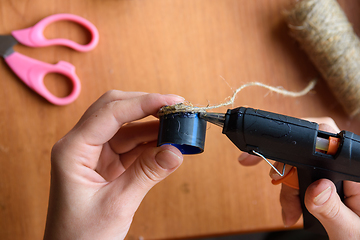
[306,178]
[293,141]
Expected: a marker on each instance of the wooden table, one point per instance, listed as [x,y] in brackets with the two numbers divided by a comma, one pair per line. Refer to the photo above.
[202,50]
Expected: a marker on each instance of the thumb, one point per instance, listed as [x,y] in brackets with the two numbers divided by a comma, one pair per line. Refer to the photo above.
[152,166]
[322,201]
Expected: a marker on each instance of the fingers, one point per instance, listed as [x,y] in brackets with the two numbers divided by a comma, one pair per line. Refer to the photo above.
[290,203]
[129,157]
[112,165]
[152,166]
[109,165]
[128,143]
[325,124]
[323,202]
[133,134]
[102,125]
[279,166]
[85,142]
[289,197]
[247,159]
[352,196]
[109,96]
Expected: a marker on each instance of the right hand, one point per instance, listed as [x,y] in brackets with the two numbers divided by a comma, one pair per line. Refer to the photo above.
[340,219]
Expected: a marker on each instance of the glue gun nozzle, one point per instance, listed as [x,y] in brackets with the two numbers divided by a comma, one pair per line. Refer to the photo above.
[215,118]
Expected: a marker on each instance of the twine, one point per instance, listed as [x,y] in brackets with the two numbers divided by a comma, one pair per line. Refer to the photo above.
[188,107]
[323,31]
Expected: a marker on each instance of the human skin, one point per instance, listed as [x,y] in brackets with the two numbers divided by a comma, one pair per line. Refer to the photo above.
[102,169]
[340,219]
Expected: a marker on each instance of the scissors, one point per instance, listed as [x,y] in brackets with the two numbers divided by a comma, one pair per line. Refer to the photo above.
[32,71]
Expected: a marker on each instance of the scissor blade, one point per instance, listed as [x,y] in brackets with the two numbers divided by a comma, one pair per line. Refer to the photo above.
[6,45]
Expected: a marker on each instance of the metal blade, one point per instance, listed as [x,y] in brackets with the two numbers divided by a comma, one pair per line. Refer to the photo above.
[215,118]
[6,45]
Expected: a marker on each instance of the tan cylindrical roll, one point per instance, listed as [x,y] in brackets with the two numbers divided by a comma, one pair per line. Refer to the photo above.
[324,32]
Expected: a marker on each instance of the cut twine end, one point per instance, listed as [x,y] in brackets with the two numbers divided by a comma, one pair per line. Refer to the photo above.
[188,107]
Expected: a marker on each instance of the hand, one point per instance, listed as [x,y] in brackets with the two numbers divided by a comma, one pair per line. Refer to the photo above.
[102,169]
[340,220]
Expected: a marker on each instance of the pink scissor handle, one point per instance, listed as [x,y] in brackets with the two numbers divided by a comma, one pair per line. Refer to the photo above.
[34,37]
[32,73]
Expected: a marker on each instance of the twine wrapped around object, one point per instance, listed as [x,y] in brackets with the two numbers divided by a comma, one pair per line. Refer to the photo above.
[323,31]
[188,107]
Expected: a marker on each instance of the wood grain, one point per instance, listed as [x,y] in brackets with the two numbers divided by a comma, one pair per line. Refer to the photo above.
[201,50]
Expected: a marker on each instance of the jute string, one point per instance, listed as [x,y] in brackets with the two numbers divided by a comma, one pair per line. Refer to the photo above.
[188,107]
[323,31]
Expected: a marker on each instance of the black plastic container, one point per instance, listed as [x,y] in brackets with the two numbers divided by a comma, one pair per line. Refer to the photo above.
[184,130]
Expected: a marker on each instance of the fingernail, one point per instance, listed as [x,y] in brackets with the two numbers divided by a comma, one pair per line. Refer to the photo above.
[168,159]
[273,174]
[279,166]
[322,197]
[243,156]
[179,98]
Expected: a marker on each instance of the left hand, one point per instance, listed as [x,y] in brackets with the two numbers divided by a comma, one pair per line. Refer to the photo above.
[102,169]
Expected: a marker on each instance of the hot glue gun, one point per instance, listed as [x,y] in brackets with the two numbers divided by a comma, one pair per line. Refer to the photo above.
[316,154]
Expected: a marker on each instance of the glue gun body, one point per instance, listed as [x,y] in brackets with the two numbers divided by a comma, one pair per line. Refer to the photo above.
[298,143]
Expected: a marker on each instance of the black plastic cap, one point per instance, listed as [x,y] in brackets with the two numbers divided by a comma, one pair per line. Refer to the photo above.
[184,130]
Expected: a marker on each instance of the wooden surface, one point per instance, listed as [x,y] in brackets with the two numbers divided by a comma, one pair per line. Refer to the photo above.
[201,50]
